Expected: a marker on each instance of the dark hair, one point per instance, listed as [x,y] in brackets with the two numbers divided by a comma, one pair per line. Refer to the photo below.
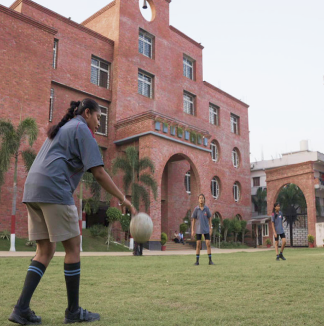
[274,209]
[76,108]
[203,196]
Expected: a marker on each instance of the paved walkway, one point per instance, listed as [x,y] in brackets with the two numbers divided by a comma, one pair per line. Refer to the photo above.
[145,253]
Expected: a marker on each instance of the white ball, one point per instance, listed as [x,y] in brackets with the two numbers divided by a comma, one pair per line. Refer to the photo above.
[141,227]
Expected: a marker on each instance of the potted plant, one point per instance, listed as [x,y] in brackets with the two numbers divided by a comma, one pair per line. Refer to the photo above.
[311,240]
[164,239]
[268,243]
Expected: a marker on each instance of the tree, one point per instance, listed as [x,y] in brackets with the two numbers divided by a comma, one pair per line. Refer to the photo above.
[226,226]
[11,139]
[260,200]
[135,177]
[125,223]
[113,215]
[243,228]
[215,223]
[236,227]
[291,199]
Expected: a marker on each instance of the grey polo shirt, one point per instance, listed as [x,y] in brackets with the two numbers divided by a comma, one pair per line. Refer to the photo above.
[277,219]
[202,217]
[60,164]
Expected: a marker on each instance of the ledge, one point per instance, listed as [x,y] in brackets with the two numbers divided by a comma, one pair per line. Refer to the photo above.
[135,137]
[186,37]
[27,20]
[98,13]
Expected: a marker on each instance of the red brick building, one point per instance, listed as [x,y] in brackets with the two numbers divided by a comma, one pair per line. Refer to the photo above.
[148,78]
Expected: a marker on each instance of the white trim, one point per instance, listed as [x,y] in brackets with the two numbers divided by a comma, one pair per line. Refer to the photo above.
[215,187]
[141,39]
[12,242]
[187,182]
[55,47]
[236,191]
[214,151]
[50,118]
[235,158]
[188,67]
[142,82]
[99,70]
[234,124]
[265,227]
[188,103]
[213,114]
[106,121]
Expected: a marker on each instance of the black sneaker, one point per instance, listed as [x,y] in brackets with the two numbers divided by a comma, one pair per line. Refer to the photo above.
[196,263]
[277,258]
[211,262]
[281,256]
[24,317]
[81,315]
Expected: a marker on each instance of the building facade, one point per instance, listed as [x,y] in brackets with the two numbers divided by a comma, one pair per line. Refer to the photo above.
[147,77]
[304,168]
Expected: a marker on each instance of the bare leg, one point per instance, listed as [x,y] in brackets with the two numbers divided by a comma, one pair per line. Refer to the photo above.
[198,245]
[276,246]
[208,247]
[45,251]
[72,250]
[283,244]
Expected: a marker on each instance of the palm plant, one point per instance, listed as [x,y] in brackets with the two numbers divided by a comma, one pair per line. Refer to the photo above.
[260,200]
[135,176]
[236,227]
[243,228]
[226,226]
[291,199]
[10,147]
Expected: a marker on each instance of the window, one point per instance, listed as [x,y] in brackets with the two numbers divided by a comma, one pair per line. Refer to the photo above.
[55,47]
[213,114]
[199,139]
[187,182]
[265,230]
[217,215]
[234,124]
[187,134]
[187,67]
[100,72]
[214,151]
[165,128]
[173,130]
[235,157]
[50,118]
[157,125]
[145,43]
[102,130]
[256,182]
[188,103]
[205,141]
[215,187]
[145,84]
[236,191]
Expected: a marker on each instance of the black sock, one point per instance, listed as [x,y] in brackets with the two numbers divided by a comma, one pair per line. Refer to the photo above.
[197,258]
[72,280]
[209,256]
[34,274]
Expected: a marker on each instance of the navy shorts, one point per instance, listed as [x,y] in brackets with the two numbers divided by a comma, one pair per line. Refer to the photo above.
[282,235]
[206,235]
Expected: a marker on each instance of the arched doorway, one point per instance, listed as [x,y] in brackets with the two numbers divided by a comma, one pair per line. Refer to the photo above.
[179,191]
[294,209]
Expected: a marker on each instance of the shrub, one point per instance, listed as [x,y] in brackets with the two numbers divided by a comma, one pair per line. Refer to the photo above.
[97,230]
[5,235]
[311,238]
[268,242]
[164,238]
[183,228]
[30,244]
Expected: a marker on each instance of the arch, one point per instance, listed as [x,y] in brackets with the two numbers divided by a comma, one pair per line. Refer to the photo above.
[215,148]
[236,157]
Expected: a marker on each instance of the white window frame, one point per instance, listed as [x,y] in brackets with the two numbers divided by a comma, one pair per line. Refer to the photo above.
[106,120]
[100,69]
[213,114]
[55,47]
[188,103]
[141,79]
[236,192]
[51,106]
[215,187]
[265,230]
[235,158]
[234,124]
[142,39]
[187,182]
[214,151]
[188,67]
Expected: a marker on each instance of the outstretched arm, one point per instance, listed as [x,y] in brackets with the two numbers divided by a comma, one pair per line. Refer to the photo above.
[108,184]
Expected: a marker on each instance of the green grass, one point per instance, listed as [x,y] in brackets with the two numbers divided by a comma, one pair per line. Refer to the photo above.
[89,243]
[242,289]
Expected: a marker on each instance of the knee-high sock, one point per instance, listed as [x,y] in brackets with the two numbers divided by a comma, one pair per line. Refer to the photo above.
[35,272]
[72,280]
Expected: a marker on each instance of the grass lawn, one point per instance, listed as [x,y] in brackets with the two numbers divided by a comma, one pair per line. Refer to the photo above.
[241,289]
[89,243]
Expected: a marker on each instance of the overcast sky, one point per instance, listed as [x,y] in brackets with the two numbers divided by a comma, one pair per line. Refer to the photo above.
[269,54]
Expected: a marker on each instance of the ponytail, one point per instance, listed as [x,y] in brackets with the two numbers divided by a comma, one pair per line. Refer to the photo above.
[76,108]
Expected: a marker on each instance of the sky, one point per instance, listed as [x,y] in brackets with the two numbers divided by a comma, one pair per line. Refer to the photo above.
[269,54]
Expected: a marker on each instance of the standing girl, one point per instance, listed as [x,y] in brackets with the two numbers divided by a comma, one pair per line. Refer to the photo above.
[68,152]
[278,231]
